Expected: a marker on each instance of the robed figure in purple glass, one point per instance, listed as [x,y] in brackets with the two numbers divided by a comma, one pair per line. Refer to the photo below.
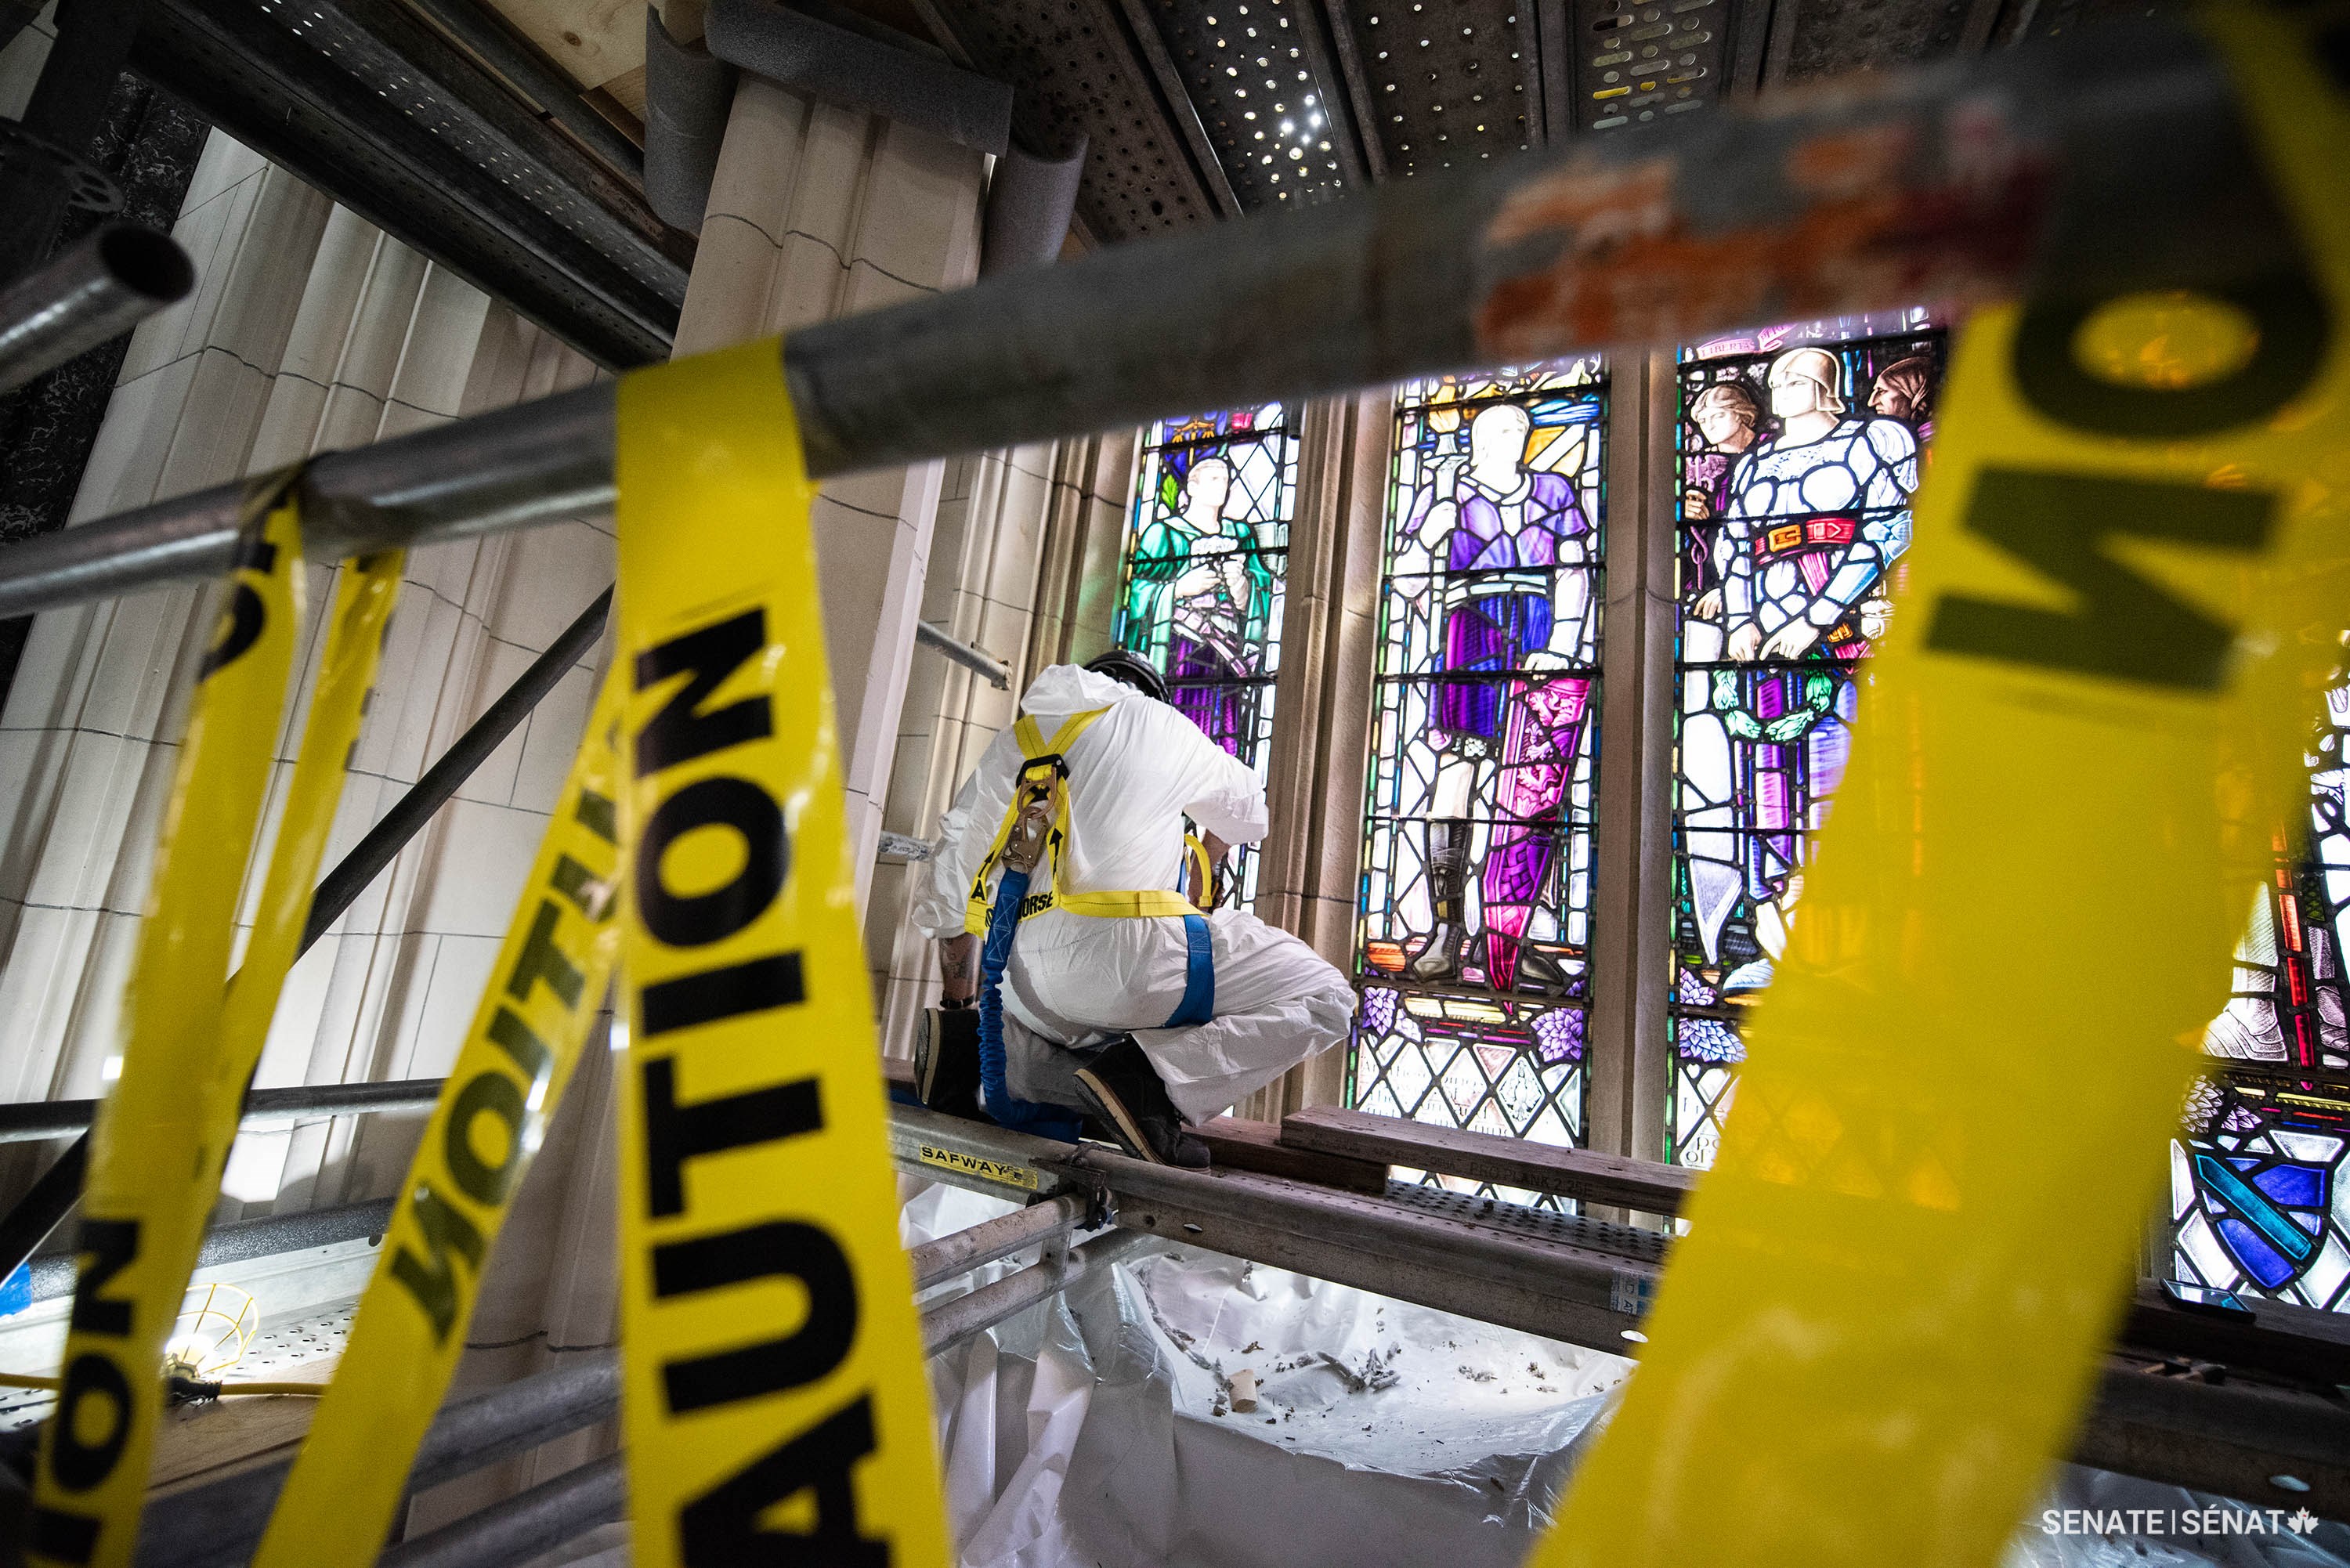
[1508,545]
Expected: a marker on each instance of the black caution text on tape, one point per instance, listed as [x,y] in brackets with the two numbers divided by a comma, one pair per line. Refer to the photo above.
[495,1100]
[2123,625]
[730,1521]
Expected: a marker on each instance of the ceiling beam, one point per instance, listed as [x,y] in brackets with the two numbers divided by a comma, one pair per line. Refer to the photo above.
[1182,111]
[1347,138]
[370,103]
[1361,110]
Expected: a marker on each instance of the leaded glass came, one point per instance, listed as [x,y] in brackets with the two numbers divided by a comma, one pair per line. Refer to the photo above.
[1799,448]
[2259,1179]
[1476,894]
[1206,554]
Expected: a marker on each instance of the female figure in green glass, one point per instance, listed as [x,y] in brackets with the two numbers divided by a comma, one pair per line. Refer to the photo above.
[1202,583]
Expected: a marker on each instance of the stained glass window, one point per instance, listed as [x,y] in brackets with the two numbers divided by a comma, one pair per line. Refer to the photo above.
[1798,450]
[1206,554]
[1476,891]
[2258,1180]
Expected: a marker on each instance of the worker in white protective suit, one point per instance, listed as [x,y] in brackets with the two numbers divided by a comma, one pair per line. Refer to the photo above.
[1118,995]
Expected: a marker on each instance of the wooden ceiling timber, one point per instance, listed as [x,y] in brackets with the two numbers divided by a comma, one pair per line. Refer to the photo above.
[593,42]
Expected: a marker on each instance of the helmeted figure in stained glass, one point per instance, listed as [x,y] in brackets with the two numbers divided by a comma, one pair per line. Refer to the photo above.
[1510,541]
[1812,516]
[1206,568]
[1816,515]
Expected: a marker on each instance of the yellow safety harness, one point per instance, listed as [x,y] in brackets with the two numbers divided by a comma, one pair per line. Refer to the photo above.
[1040,795]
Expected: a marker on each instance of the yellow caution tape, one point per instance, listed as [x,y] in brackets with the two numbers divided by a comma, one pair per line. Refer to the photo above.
[510,1074]
[364,595]
[774,1399]
[2124,599]
[162,1133]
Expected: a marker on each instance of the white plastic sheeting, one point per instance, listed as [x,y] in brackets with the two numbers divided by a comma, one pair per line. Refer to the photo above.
[1095,1431]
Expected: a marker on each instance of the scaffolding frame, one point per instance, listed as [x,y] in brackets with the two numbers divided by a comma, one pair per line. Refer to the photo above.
[2109,162]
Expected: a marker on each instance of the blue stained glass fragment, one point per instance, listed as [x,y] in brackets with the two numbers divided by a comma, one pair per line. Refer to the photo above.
[2260,1259]
[2220,1180]
[2295,1186]
[1830,746]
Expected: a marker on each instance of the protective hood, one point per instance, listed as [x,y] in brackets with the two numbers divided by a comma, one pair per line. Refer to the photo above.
[1072,688]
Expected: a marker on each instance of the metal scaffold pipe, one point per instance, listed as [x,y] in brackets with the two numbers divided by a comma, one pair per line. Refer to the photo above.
[100,288]
[976,659]
[964,1251]
[949,1323]
[2106,161]
[38,1119]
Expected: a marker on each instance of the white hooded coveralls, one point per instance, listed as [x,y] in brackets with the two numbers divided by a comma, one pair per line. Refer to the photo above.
[1134,775]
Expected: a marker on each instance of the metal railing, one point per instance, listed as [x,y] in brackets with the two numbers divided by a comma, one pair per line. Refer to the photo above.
[100,288]
[2109,161]
[217,1523]
[51,1197]
[970,656]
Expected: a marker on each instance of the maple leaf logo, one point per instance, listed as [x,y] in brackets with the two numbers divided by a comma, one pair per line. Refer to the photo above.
[2302,1523]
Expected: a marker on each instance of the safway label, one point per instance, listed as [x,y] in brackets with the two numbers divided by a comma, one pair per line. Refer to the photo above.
[1010,1175]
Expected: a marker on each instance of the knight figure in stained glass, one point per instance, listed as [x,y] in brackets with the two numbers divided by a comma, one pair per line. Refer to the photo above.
[1816,513]
[1799,453]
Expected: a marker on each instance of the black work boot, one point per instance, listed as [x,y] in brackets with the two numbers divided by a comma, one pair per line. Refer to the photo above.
[1123,1090]
[946,1061]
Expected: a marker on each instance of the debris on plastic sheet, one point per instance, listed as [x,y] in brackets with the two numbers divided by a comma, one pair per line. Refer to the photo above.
[1366,1441]
[1374,1375]
[1098,1430]
[1339,1359]
[1243,1391]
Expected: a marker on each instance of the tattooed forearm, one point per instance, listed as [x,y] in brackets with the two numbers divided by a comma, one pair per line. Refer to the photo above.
[959,966]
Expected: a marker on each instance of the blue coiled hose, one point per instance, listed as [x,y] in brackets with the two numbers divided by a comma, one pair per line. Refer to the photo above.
[1021,1115]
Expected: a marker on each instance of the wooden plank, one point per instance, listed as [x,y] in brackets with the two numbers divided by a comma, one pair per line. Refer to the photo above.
[200,1442]
[1604,1179]
[2278,1338]
[591,41]
[1237,1145]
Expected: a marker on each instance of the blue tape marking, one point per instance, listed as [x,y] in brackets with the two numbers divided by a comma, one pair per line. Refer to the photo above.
[1199,1004]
